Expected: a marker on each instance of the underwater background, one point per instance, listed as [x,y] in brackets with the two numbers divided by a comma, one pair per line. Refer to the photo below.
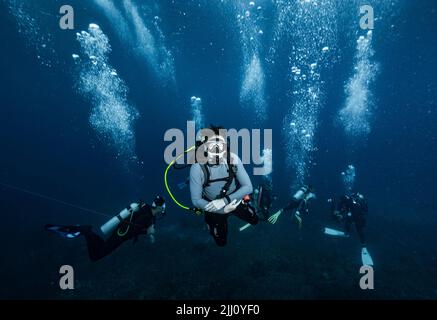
[84,112]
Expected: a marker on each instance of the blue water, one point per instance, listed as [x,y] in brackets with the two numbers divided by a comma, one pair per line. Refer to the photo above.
[51,144]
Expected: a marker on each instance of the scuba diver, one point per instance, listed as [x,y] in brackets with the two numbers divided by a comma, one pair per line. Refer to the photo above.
[299,203]
[136,219]
[218,184]
[351,209]
[262,200]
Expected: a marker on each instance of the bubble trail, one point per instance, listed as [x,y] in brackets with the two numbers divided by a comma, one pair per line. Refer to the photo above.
[111,116]
[348,177]
[355,116]
[197,112]
[310,46]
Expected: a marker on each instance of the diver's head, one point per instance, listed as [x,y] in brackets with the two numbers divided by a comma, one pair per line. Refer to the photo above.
[358,195]
[215,148]
[358,199]
[213,144]
[345,203]
[158,206]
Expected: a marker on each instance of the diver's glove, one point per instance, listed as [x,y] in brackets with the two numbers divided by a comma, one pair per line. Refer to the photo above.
[275,217]
[232,206]
[215,205]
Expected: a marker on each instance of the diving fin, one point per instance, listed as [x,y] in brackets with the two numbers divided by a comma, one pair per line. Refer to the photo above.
[366,258]
[69,232]
[245,227]
[335,233]
[274,217]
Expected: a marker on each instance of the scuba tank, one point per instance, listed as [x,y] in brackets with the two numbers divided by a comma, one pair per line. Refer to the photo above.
[299,195]
[110,226]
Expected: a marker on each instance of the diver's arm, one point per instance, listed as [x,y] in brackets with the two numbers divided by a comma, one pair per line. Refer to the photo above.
[151,233]
[293,204]
[244,180]
[339,210]
[196,186]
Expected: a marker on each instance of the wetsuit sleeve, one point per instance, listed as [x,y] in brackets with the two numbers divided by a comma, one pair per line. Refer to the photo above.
[293,204]
[196,186]
[151,233]
[143,219]
[244,181]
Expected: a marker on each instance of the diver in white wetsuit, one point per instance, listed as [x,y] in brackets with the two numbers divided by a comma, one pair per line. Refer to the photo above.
[219,184]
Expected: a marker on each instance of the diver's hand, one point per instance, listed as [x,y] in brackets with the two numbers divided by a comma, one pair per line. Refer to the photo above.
[232,206]
[337,215]
[298,219]
[215,205]
[152,238]
[274,218]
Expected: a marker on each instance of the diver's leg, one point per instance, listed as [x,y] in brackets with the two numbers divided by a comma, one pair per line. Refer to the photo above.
[359,225]
[347,226]
[97,247]
[265,214]
[246,213]
[218,227]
